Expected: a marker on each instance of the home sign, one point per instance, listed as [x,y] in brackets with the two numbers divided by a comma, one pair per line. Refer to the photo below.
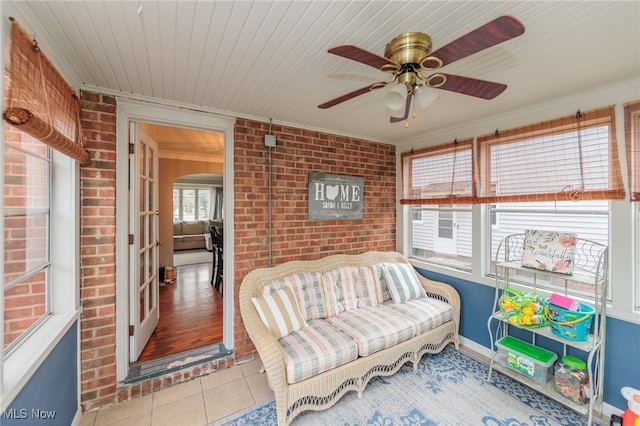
[335,196]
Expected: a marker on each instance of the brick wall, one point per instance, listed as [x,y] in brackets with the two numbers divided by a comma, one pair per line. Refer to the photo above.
[297,153]
[293,236]
[97,251]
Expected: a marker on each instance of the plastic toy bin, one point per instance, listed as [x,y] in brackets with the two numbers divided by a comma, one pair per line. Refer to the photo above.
[527,359]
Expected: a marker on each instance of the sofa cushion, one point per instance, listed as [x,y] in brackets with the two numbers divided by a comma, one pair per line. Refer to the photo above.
[402,282]
[374,328]
[307,287]
[348,288]
[279,312]
[194,228]
[314,349]
[383,290]
[177,229]
[426,313]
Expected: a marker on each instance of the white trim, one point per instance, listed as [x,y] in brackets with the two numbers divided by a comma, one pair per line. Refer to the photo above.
[149,110]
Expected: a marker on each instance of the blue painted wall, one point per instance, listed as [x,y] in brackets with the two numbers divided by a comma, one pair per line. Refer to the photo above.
[53,389]
[622,341]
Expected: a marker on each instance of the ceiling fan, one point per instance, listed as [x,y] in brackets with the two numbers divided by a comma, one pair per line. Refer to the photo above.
[408,55]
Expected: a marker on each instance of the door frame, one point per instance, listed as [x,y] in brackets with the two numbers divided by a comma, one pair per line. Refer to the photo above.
[128,110]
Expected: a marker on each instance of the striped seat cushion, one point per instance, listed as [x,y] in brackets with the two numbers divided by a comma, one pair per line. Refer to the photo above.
[350,287]
[307,287]
[314,349]
[426,313]
[374,328]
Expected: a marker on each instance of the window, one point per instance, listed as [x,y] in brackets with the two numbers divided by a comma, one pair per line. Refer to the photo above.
[569,158]
[632,136]
[588,219]
[443,236]
[438,182]
[554,176]
[26,235]
[190,203]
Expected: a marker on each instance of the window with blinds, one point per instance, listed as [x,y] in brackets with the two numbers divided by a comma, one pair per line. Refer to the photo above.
[632,136]
[439,175]
[569,158]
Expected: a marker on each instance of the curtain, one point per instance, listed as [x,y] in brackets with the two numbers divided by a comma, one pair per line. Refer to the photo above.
[568,158]
[632,136]
[218,204]
[443,174]
[39,102]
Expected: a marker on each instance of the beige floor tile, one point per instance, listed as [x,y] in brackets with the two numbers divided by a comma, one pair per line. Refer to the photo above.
[189,411]
[141,419]
[221,377]
[88,418]
[123,410]
[259,387]
[228,399]
[176,392]
[251,367]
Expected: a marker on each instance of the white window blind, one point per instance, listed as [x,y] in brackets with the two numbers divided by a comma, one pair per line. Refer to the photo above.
[568,158]
[439,175]
[632,136]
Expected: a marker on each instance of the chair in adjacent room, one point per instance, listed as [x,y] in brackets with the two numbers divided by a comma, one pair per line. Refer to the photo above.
[218,244]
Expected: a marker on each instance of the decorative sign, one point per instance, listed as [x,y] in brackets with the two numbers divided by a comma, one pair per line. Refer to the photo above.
[549,250]
[335,197]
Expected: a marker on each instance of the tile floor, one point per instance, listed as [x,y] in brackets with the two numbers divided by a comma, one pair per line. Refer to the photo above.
[194,403]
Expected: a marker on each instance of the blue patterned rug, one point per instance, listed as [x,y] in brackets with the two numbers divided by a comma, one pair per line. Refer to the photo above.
[449,388]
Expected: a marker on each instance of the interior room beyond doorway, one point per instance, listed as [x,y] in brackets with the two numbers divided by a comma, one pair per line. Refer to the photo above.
[191,311]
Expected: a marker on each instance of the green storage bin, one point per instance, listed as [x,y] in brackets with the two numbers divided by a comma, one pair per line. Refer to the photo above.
[525,358]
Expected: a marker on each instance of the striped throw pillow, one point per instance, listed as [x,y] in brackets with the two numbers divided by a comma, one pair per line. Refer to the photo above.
[279,312]
[402,282]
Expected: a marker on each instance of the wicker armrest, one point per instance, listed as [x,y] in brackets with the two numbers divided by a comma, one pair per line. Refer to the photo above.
[266,344]
[445,292]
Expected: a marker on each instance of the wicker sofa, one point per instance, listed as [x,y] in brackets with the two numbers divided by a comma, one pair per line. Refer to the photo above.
[325,327]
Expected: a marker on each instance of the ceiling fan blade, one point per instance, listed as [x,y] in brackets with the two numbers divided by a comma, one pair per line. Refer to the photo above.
[351,95]
[363,56]
[497,31]
[406,111]
[471,86]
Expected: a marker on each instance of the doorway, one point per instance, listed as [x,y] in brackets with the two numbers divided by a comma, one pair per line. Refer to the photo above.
[130,111]
[191,313]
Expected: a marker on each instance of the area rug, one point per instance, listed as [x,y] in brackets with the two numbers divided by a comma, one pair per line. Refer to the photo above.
[191,257]
[449,388]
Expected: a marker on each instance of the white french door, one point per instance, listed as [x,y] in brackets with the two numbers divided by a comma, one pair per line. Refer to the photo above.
[144,282]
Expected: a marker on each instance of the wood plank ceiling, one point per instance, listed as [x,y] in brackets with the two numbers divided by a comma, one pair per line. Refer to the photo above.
[268,59]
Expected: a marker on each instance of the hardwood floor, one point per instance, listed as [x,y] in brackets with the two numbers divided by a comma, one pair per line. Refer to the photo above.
[190,314]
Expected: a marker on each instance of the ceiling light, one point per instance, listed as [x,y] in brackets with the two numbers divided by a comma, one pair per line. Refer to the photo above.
[396,98]
[425,97]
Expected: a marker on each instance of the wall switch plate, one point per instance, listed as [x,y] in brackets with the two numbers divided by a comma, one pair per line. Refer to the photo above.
[270,140]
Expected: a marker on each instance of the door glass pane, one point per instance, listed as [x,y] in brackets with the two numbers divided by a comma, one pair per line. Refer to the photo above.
[150,196]
[143,304]
[142,155]
[142,230]
[445,224]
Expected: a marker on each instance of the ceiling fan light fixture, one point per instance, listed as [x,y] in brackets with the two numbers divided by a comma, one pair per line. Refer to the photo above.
[425,97]
[396,98]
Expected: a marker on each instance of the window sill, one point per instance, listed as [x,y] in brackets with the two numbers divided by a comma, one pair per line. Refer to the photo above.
[19,367]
